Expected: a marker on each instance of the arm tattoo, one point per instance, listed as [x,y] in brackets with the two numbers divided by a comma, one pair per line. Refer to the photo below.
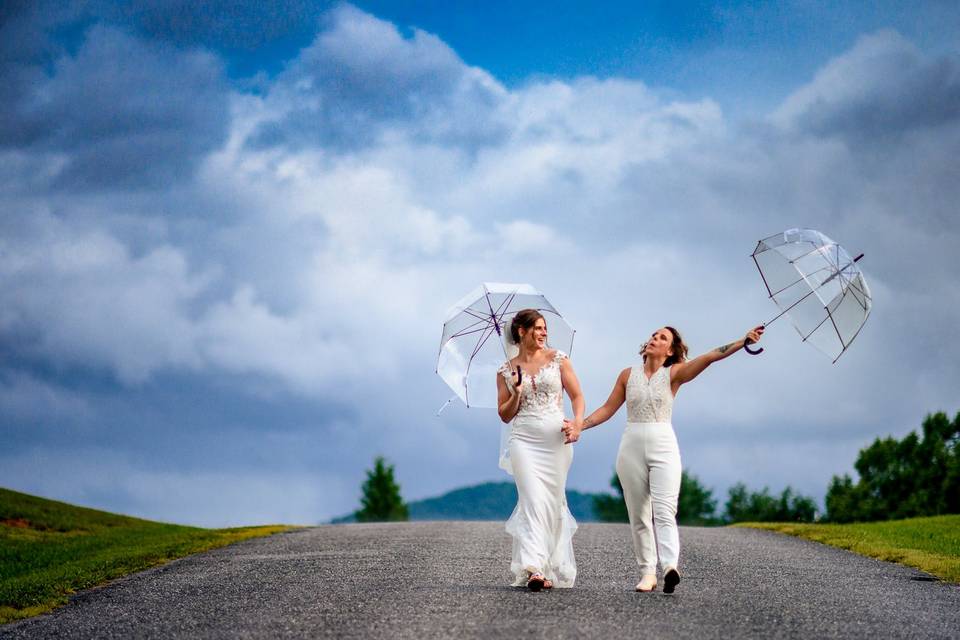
[726,347]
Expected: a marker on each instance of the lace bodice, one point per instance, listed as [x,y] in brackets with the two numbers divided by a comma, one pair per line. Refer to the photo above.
[649,400]
[539,394]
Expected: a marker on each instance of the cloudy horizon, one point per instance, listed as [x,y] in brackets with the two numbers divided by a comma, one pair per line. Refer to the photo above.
[229,239]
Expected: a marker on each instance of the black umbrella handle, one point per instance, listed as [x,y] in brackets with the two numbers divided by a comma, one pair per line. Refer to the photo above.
[746,347]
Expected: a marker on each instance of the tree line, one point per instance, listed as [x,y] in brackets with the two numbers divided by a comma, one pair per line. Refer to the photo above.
[916,476]
[697,506]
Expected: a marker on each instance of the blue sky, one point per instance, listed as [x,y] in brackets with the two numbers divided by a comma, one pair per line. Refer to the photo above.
[229,235]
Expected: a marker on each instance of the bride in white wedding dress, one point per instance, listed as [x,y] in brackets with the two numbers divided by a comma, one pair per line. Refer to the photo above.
[530,390]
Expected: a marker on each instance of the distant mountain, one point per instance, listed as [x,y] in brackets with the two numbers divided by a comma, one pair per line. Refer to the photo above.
[488,501]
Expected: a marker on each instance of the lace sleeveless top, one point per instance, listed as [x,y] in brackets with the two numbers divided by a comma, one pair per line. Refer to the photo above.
[649,400]
[540,394]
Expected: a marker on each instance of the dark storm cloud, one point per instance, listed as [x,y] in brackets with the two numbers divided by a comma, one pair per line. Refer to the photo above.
[119,112]
[881,89]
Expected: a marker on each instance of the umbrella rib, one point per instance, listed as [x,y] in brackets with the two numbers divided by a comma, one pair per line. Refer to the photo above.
[504,307]
[470,332]
[854,337]
[494,323]
[493,314]
[853,290]
[812,291]
[480,342]
[466,374]
[480,320]
[835,274]
[854,286]
[776,317]
[839,337]
[816,327]
[762,276]
[802,278]
[815,248]
[475,314]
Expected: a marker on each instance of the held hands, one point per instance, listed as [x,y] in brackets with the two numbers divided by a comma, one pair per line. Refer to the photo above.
[571,430]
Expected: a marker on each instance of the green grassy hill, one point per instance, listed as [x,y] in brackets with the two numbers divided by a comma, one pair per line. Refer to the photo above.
[49,549]
[929,544]
[488,501]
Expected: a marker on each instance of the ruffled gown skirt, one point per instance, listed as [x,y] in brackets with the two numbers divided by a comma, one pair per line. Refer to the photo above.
[541,525]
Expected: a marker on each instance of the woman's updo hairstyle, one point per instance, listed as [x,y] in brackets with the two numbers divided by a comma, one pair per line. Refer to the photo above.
[524,320]
[679,349]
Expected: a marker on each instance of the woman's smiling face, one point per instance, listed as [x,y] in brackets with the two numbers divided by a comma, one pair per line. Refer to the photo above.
[535,335]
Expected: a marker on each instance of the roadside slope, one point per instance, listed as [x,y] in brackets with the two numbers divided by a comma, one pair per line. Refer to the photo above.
[50,550]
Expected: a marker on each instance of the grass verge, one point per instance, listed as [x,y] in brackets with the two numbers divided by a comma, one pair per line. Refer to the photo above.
[49,550]
[929,544]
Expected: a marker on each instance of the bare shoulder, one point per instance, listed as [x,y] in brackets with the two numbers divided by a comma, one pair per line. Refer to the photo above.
[676,369]
[625,374]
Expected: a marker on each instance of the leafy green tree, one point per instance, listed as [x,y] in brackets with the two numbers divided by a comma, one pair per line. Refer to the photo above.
[759,506]
[696,505]
[611,508]
[848,502]
[916,476]
[381,501]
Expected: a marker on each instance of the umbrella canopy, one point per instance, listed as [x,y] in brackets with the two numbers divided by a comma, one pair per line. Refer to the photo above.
[814,280]
[475,339]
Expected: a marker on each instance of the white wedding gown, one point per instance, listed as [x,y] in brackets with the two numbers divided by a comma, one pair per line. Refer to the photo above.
[541,525]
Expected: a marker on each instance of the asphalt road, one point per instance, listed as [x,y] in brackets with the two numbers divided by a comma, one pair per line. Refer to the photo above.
[449,580]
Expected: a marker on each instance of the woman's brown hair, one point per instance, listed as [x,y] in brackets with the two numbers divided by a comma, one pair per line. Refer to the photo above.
[524,319]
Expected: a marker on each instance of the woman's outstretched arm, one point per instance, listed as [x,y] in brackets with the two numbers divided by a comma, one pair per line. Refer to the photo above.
[610,407]
[684,372]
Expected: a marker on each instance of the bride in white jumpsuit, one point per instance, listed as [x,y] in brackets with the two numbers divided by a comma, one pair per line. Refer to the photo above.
[530,396]
[648,461]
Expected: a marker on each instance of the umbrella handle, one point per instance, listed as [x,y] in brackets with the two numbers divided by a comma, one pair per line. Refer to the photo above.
[746,347]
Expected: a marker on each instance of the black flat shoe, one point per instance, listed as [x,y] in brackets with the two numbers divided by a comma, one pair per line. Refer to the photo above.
[670,580]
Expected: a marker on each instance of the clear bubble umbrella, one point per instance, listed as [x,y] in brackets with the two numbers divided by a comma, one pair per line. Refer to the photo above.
[475,339]
[814,281]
